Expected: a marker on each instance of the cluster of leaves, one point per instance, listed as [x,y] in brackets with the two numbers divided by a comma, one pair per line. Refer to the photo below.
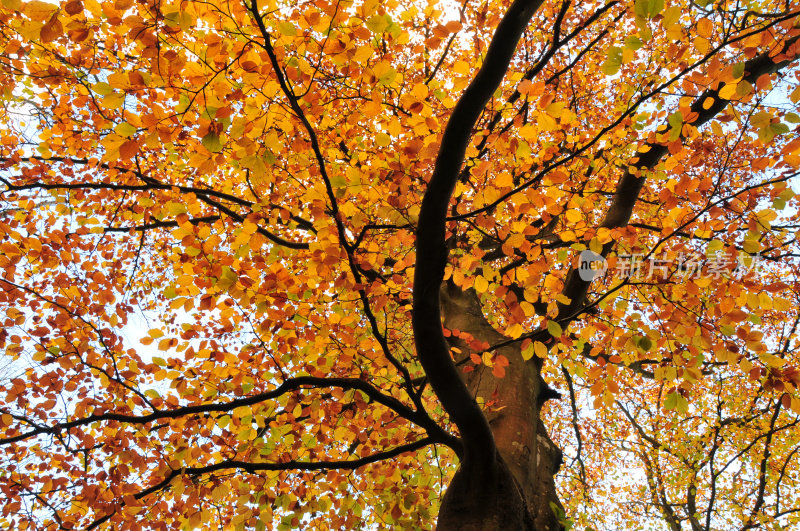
[248,176]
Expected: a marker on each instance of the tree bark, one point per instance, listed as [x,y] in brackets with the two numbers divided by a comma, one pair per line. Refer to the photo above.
[525,451]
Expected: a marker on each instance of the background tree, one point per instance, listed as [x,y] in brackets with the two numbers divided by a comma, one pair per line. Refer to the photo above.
[263,183]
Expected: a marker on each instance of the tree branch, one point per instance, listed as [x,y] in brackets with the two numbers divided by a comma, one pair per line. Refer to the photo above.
[650,154]
[436,433]
[253,468]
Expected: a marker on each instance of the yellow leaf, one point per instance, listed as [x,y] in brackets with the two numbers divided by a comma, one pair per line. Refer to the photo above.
[174,208]
[540,349]
[527,132]
[38,10]
[772,360]
[114,100]
[527,308]
[504,180]
[481,284]
[701,45]
[515,330]
[363,53]
[420,91]
[341,434]
[219,492]
[728,91]
[545,122]
[125,129]
[573,216]
[377,23]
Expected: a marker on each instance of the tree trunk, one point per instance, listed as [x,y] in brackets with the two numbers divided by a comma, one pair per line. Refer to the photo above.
[522,494]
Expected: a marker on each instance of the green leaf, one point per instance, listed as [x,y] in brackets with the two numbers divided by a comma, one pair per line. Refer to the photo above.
[387,77]
[648,8]
[180,19]
[172,19]
[557,511]
[554,328]
[779,128]
[377,23]
[338,181]
[645,343]
[671,16]
[671,401]
[212,142]
[676,119]
[102,88]
[743,88]
[683,404]
[676,124]
[287,28]
[183,103]
[633,42]
[125,129]
[528,351]
[210,112]
[227,278]
[613,61]
[713,247]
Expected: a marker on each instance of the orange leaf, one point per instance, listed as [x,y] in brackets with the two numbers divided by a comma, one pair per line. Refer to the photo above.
[52,29]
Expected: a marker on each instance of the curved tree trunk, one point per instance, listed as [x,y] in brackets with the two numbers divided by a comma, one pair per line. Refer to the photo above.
[528,460]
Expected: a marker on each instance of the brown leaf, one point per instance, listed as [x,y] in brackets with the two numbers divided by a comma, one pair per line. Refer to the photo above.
[73,7]
[51,30]
[128,149]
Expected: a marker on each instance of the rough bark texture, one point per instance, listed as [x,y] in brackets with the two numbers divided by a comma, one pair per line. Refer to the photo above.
[503,505]
[523,445]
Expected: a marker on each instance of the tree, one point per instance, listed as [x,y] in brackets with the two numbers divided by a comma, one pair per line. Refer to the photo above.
[500,265]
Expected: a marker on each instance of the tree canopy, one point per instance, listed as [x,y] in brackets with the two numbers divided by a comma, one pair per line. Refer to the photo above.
[549,244]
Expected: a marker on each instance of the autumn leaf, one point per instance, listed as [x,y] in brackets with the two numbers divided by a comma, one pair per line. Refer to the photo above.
[52,29]
[212,142]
